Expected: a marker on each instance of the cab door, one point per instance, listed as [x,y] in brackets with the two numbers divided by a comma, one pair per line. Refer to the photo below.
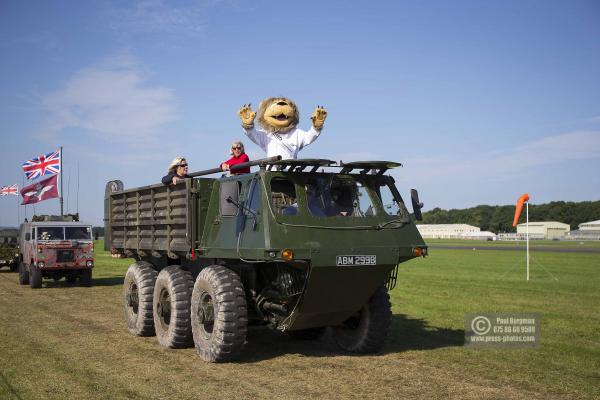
[251,227]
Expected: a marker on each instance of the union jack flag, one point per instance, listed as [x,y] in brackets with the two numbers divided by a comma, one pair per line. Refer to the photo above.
[6,190]
[46,164]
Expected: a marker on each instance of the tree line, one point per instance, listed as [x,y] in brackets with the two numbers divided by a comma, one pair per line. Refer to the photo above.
[499,218]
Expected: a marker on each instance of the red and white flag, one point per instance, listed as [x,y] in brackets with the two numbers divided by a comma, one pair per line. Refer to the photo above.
[9,190]
[46,164]
[43,190]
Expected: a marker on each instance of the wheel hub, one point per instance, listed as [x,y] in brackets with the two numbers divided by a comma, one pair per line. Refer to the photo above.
[206,311]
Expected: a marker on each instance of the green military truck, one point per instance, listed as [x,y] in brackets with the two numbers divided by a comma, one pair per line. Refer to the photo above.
[9,248]
[300,246]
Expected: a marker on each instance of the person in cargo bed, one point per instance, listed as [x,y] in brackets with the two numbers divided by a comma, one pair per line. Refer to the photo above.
[178,171]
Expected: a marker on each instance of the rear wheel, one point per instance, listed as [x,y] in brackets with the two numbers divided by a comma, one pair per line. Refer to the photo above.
[23,274]
[219,314]
[35,278]
[367,330]
[171,307]
[71,278]
[138,289]
[85,279]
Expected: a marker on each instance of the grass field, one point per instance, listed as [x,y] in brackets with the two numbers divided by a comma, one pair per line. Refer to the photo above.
[534,244]
[64,341]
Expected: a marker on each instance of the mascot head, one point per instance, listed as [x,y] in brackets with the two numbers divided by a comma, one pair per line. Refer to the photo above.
[278,114]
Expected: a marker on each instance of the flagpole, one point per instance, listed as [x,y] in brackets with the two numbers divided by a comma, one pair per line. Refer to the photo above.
[61,182]
[18,211]
[22,185]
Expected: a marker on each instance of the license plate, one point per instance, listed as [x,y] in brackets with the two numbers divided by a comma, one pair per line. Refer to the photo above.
[355,260]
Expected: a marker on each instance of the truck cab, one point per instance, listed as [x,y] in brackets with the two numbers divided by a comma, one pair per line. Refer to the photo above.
[54,247]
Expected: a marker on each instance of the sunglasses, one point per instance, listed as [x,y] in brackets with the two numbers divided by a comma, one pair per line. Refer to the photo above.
[182,165]
[236,148]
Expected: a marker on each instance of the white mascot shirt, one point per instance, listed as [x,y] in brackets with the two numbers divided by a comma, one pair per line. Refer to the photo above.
[287,145]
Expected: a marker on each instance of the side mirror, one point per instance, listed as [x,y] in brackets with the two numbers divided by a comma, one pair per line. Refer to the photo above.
[416,204]
[27,237]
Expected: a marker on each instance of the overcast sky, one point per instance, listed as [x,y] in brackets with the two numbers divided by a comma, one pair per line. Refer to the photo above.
[481,101]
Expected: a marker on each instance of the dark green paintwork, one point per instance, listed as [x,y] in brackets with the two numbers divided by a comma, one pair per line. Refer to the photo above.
[332,293]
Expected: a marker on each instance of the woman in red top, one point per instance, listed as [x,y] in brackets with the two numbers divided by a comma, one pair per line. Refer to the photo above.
[239,156]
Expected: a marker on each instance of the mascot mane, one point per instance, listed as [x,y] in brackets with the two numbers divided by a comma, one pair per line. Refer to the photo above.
[294,119]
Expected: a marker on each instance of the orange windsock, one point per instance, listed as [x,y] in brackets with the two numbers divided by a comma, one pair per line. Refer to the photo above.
[520,202]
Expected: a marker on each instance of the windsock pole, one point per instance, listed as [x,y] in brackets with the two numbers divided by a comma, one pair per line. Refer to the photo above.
[523,199]
[527,234]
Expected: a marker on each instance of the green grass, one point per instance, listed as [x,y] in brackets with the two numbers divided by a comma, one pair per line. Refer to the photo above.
[568,244]
[563,288]
[64,341]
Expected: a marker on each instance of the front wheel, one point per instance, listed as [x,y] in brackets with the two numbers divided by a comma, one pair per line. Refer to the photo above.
[23,274]
[35,277]
[137,297]
[219,314]
[14,266]
[367,330]
[171,307]
[85,279]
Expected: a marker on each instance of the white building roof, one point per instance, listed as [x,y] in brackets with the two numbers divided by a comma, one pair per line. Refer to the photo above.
[547,224]
[479,234]
[592,225]
[447,226]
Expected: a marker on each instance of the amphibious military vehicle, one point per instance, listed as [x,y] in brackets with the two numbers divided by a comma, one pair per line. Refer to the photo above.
[300,246]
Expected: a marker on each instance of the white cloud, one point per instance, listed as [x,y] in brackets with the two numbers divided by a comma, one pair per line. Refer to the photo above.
[112,100]
[502,165]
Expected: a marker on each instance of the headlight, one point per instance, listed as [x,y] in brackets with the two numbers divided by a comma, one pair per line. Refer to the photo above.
[89,263]
[41,264]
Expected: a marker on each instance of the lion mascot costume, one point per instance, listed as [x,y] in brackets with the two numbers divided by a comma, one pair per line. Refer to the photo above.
[278,134]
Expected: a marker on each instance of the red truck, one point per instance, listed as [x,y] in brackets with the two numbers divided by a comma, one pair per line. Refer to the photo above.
[54,247]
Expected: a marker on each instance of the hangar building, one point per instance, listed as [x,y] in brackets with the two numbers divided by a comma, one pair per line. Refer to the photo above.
[549,229]
[587,231]
[446,231]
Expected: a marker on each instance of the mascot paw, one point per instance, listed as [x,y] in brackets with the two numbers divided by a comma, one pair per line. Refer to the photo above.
[318,117]
[247,116]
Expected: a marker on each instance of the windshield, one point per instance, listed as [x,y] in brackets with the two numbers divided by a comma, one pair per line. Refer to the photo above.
[78,233]
[391,204]
[335,197]
[50,233]
[341,196]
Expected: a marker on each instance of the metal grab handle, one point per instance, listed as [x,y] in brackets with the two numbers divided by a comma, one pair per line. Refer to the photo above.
[234,168]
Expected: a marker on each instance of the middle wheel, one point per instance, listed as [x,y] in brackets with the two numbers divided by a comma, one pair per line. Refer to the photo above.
[171,307]
[219,314]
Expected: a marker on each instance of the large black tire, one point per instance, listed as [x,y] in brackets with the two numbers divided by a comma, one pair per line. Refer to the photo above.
[171,307]
[85,277]
[14,266]
[23,274]
[307,334]
[35,277]
[367,331]
[71,279]
[138,289]
[219,314]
